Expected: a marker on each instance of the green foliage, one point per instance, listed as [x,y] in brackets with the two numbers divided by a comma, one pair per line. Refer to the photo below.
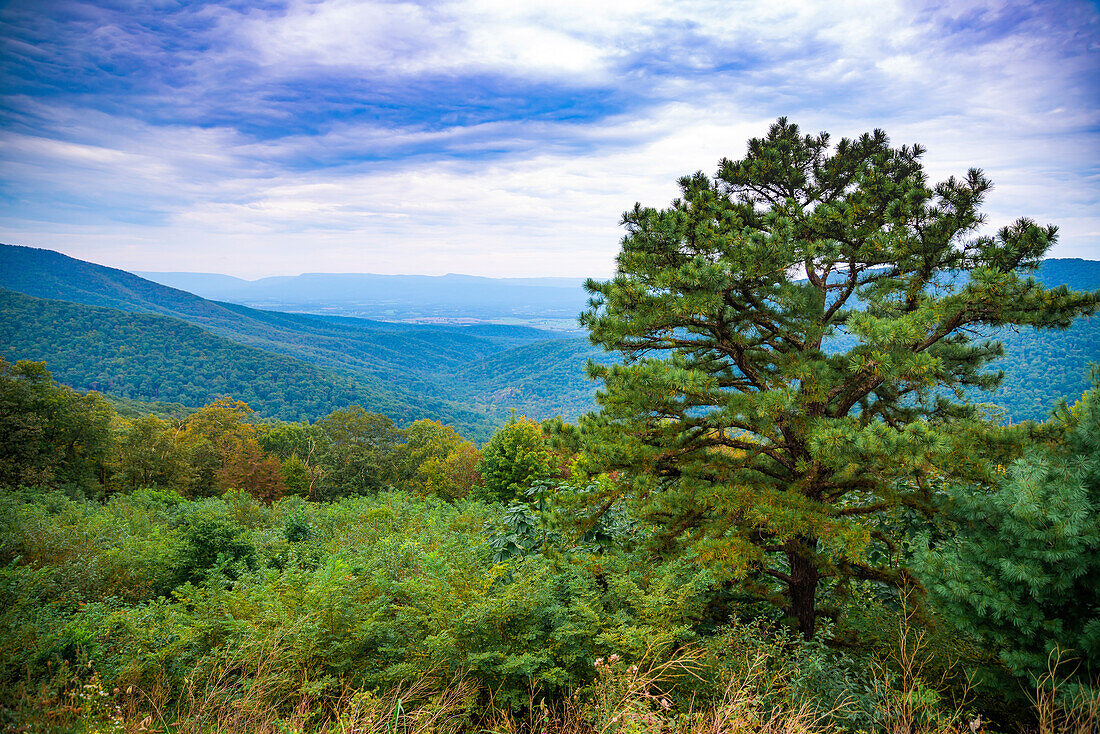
[304,601]
[516,457]
[285,440]
[757,446]
[50,434]
[371,591]
[1019,568]
[212,543]
[437,460]
[302,448]
[558,517]
[521,532]
[191,580]
[360,452]
[298,528]
[297,477]
[149,454]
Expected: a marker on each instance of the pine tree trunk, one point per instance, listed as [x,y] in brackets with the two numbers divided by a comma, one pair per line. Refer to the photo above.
[802,588]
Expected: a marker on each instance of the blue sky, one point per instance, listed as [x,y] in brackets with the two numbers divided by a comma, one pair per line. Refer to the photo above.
[500,138]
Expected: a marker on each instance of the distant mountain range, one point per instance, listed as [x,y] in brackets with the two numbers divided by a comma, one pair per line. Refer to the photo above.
[555,301]
[113,331]
[408,370]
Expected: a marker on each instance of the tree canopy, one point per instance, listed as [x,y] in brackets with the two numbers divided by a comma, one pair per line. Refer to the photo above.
[798,335]
[515,457]
[49,433]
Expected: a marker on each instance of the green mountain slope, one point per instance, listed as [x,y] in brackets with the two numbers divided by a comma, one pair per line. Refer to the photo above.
[1041,367]
[405,352]
[155,358]
[540,380]
[462,371]
[418,364]
[409,358]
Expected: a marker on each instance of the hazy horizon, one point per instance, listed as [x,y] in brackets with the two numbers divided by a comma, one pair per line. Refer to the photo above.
[144,273]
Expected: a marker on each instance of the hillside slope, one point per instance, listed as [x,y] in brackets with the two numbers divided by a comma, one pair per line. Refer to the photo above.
[406,355]
[417,365]
[156,358]
[489,368]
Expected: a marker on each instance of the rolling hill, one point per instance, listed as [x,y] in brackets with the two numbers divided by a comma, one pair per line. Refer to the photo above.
[149,357]
[415,365]
[471,376]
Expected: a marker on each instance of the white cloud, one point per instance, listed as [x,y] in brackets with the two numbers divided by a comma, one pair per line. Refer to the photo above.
[537,196]
[409,39]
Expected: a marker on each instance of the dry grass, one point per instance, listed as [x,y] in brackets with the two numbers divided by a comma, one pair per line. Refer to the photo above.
[636,698]
[909,704]
[625,698]
[1061,713]
[252,688]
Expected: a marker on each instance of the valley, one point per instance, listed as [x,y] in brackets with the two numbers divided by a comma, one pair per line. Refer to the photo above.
[303,366]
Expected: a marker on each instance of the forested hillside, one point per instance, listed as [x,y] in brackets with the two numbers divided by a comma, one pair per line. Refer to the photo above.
[371,346]
[415,365]
[1042,366]
[550,373]
[154,358]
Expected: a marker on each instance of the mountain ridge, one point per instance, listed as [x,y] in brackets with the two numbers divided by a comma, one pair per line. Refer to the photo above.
[393,297]
[486,369]
[419,364]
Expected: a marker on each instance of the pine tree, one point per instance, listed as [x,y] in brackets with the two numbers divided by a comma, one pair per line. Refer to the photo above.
[796,333]
[1021,572]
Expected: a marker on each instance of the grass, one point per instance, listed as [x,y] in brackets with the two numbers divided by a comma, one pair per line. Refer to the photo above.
[250,693]
[250,689]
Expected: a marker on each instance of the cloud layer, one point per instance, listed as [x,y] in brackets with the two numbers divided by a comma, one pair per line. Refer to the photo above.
[500,138]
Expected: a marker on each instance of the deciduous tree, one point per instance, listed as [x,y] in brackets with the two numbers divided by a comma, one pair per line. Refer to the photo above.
[360,451]
[437,460]
[514,458]
[49,433]
[149,454]
[213,436]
